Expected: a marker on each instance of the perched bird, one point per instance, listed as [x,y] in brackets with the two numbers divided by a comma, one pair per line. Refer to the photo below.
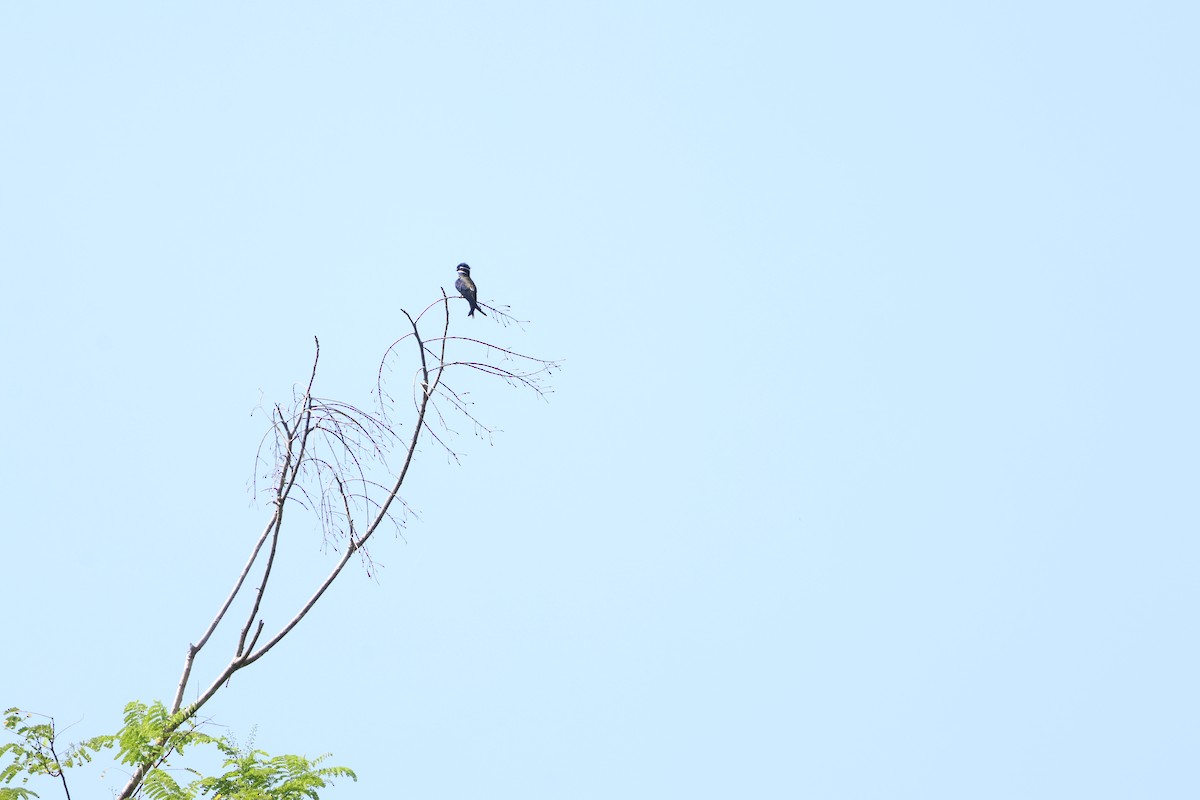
[466,287]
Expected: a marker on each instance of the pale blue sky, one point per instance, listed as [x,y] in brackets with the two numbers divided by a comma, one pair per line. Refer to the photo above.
[872,470]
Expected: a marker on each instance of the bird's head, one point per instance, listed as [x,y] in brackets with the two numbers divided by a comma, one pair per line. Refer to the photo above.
[463,269]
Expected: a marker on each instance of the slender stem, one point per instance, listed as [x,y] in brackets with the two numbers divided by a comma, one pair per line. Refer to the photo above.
[62,773]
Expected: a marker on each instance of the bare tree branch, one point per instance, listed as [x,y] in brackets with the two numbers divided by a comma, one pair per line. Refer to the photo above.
[324,454]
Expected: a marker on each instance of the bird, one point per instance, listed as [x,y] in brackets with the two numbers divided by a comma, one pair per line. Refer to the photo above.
[466,287]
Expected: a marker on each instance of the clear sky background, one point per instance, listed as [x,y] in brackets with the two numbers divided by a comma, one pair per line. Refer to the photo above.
[872,468]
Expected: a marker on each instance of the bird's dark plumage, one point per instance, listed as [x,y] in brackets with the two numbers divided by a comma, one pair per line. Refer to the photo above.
[466,287]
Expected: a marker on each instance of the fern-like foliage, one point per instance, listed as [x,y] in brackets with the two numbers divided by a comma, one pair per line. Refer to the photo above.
[153,735]
[16,794]
[253,775]
[38,752]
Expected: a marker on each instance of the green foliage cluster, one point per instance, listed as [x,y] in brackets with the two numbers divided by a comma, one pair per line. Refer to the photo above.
[151,735]
[37,753]
[252,775]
